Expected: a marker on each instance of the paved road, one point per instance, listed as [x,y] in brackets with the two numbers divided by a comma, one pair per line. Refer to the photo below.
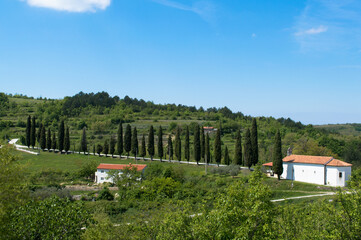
[307,196]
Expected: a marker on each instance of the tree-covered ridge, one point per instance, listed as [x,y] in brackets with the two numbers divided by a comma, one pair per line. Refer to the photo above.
[101,115]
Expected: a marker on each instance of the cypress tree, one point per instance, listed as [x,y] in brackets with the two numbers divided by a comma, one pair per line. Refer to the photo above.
[42,138]
[202,142]
[33,132]
[197,144]
[128,139]
[143,151]
[106,148]
[277,156]
[178,145]
[207,149]
[254,142]
[53,142]
[99,149]
[186,145]
[170,147]
[67,141]
[112,146]
[218,147]
[120,139]
[38,135]
[83,141]
[226,156]
[151,142]
[94,150]
[48,139]
[160,143]
[248,149]
[238,149]
[135,142]
[61,136]
[28,132]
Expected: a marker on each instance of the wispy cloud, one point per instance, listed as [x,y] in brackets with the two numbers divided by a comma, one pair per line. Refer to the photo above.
[71,5]
[312,31]
[204,9]
[329,25]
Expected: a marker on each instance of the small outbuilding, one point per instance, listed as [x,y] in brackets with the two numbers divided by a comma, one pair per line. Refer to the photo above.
[101,175]
[314,169]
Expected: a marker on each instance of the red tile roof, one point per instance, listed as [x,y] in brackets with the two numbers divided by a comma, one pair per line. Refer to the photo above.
[328,161]
[139,167]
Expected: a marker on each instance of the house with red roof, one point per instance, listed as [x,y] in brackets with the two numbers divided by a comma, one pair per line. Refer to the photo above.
[315,169]
[101,175]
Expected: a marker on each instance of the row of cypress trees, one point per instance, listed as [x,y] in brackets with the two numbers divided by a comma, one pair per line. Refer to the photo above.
[45,139]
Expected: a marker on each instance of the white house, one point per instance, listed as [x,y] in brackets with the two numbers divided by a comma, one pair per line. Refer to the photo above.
[101,175]
[315,169]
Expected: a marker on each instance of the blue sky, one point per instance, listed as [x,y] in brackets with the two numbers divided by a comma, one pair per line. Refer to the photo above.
[298,59]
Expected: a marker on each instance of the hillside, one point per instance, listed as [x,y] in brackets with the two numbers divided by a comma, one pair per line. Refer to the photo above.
[101,115]
[351,129]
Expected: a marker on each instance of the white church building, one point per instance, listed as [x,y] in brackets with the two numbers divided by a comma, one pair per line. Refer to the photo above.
[101,175]
[315,169]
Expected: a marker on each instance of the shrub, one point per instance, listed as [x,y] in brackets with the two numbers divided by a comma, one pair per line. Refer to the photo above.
[105,194]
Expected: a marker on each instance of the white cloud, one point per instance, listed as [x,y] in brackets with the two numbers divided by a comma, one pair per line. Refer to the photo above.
[312,31]
[71,5]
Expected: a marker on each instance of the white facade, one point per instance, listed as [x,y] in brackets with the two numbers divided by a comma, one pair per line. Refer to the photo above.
[101,176]
[336,176]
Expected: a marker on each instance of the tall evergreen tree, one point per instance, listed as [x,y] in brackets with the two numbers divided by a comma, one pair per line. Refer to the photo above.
[48,139]
[226,156]
[151,142]
[277,156]
[203,141]
[170,147]
[94,150]
[42,138]
[218,147]
[178,145]
[160,143]
[207,149]
[38,135]
[106,147]
[254,141]
[186,145]
[128,139]
[33,132]
[248,149]
[83,141]
[238,149]
[99,149]
[120,139]
[67,140]
[112,146]
[61,136]
[53,142]
[28,132]
[197,144]
[143,151]
[135,146]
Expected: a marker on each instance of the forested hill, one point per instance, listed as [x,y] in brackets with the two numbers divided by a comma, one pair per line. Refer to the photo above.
[101,114]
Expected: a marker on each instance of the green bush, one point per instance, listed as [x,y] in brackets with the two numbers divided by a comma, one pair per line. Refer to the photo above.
[105,194]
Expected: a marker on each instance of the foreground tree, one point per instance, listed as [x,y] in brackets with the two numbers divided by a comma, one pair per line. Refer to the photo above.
[218,147]
[84,142]
[135,142]
[38,135]
[151,142]
[248,149]
[28,132]
[67,141]
[143,150]
[42,138]
[178,145]
[170,147]
[61,134]
[112,146]
[277,156]
[33,132]
[128,139]
[254,142]
[48,139]
[186,145]
[53,145]
[197,144]
[238,149]
[160,143]
[120,139]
